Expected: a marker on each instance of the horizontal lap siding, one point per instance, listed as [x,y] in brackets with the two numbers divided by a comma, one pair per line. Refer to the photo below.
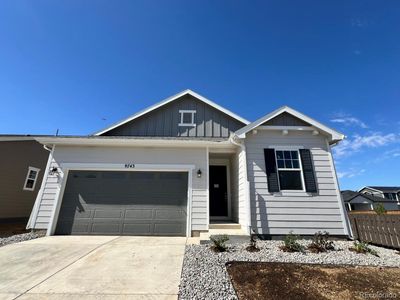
[301,212]
[47,201]
[71,154]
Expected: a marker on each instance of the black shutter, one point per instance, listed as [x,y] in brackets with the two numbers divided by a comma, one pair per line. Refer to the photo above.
[308,171]
[270,168]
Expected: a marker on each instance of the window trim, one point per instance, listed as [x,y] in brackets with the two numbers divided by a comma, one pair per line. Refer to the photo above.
[294,169]
[25,188]
[185,111]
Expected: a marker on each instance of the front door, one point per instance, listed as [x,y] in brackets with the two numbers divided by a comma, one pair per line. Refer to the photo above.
[218,192]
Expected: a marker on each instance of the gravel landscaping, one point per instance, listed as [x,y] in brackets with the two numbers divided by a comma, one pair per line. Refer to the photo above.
[21,237]
[204,274]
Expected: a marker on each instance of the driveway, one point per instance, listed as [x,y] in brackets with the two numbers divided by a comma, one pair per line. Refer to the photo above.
[92,267]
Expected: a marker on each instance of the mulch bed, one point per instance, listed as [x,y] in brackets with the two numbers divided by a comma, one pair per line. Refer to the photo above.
[10,229]
[271,280]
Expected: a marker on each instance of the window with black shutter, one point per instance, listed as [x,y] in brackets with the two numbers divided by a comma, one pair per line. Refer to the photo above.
[270,168]
[308,171]
[289,170]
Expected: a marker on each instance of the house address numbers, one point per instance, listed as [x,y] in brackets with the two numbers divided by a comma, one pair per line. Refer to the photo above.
[129,166]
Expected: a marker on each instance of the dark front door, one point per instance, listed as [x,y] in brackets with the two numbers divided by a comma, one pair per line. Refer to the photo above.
[218,192]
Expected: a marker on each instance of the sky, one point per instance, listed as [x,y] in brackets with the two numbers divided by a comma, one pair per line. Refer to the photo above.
[79,66]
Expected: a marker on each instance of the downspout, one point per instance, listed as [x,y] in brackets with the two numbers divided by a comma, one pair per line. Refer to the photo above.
[343,211]
[247,189]
[35,210]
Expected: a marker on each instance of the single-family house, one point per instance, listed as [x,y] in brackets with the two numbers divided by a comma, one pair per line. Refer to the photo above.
[387,192]
[356,201]
[186,163]
[22,165]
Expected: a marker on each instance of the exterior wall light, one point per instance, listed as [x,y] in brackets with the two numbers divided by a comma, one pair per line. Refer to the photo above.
[54,170]
[199,173]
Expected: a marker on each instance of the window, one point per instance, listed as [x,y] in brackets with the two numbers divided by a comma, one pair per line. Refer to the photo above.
[391,196]
[31,179]
[187,118]
[290,174]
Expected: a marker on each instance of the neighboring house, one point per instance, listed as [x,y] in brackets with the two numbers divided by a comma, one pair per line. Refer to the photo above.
[365,201]
[22,161]
[186,162]
[387,192]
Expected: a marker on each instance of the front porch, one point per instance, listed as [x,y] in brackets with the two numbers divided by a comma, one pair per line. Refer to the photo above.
[225,212]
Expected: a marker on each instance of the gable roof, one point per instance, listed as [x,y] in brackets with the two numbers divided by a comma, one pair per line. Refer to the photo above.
[386,188]
[168,100]
[335,135]
[350,195]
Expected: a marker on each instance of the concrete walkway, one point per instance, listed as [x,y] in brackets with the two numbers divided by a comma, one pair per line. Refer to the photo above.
[92,267]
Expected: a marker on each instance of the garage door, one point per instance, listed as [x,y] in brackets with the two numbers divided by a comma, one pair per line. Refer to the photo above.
[124,203]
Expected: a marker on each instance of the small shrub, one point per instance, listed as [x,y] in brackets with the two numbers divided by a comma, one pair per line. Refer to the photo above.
[379,209]
[219,242]
[291,244]
[362,247]
[321,243]
[252,247]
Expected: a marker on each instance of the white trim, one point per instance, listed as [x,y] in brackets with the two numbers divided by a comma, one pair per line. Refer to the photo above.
[287,148]
[168,100]
[300,168]
[182,112]
[343,213]
[293,128]
[37,170]
[66,167]
[223,162]
[35,210]
[208,186]
[335,136]
[370,188]
[131,142]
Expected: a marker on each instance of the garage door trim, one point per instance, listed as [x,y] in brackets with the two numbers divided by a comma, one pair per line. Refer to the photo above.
[66,167]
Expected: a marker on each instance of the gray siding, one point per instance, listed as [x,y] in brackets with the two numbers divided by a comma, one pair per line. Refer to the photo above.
[163,121]
[285,119]
[301,212]
[138,155]
[15,159]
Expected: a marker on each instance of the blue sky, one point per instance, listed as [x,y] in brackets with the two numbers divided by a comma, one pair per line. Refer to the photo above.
[78,66]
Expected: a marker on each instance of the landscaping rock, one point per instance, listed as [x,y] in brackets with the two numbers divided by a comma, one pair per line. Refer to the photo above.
[204,274]
[21,237]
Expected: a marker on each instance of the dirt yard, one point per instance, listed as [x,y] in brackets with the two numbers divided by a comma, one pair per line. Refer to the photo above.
[9,229]
[308,282]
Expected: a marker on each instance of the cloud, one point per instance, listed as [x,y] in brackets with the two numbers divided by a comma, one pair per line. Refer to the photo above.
[359,22]
[348,121]
[393,153]
[358,142]
[350,173]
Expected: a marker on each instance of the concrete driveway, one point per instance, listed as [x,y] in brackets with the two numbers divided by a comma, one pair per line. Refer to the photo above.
[92,267]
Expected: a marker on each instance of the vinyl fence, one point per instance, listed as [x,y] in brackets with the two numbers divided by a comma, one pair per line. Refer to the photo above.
[383,230]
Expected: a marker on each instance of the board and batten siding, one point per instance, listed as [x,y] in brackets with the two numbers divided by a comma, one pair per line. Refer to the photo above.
[300,212]
[121,155]
[163,121]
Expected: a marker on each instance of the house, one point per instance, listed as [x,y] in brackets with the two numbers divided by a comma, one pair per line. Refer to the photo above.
[185,163]
[22,162]
[365,201]
[387,192]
